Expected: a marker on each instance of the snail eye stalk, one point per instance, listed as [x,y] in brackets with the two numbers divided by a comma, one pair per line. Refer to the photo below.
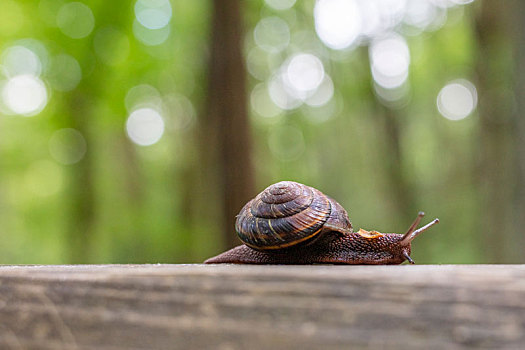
[408,258]
[409,237]
[415,223]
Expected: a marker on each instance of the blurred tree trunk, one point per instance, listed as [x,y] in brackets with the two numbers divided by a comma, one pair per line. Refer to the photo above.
[81,187]
[226,136]
[81,104]
[131,171]
[497,124]
[519,130]
[401,192]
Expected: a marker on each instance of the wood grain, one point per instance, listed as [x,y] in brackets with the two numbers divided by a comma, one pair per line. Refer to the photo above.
[262,307]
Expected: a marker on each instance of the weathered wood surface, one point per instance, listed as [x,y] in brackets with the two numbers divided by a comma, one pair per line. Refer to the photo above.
[262,307]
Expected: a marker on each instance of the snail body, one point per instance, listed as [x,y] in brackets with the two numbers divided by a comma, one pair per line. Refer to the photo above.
[291,223]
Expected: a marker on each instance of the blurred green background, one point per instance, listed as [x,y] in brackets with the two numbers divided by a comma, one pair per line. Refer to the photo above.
[134,131]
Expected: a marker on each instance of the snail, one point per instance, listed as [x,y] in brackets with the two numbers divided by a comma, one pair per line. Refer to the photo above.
[291,223]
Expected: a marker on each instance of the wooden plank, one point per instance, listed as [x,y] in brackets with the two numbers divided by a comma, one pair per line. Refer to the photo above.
[262,307]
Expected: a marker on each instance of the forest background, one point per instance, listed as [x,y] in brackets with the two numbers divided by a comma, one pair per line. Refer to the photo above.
[134,131]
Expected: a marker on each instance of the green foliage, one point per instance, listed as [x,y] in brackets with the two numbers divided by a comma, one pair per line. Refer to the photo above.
[141,194]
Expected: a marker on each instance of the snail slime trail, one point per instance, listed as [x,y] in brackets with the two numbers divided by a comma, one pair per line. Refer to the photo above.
[291,223]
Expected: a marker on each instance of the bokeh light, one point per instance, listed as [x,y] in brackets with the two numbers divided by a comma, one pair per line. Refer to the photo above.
[24,94]
[304,73]
[379,17]
[280,4]
[181,111]
[257,63]
[337,22]
[461,2]
[145,126]
[301,78]
[342,24]
[457,99]
[75,20]
[67,146]
[143,95]
[442,3]
[153,14]
[272,34]
[280,94]
[262,103]
[325,112]
[323,94]
[420,14]
[18,60]
[389,60]
[393,98]
[64,73]
[150,37]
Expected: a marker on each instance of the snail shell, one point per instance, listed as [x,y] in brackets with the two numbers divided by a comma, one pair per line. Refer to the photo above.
[289,213]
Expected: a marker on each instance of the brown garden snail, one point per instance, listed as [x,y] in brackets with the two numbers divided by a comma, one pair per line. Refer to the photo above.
[291,223]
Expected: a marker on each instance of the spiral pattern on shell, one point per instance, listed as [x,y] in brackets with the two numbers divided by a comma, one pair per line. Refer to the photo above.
[284,214]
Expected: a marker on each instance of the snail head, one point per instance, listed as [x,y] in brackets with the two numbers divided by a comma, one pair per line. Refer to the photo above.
[412,233]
